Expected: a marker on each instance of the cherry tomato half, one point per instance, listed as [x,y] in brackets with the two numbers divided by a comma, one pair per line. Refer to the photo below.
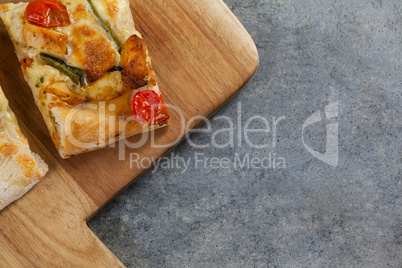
[47,13]
[148,106]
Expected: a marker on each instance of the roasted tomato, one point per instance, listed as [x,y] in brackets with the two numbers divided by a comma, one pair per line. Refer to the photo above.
[148,107]
[134,60]
[47,13]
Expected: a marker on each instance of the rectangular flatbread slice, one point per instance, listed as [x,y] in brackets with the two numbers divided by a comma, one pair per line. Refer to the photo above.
[88,69]
[20,169]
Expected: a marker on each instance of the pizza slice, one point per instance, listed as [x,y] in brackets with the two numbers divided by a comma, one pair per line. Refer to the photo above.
[88,69]
[20,169]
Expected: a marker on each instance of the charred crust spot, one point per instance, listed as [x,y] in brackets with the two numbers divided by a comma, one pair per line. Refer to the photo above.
[115,69]
[26,62]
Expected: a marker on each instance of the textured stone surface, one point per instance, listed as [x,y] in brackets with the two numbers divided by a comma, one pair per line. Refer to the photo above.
[308,214]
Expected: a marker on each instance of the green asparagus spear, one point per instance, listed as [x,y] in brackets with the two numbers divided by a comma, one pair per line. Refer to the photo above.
[104,25]
[76,74]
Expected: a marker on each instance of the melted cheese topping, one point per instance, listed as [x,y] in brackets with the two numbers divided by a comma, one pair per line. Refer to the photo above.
[117,14]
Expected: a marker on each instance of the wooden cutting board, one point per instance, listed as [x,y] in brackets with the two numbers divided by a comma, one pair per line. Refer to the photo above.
[202,55]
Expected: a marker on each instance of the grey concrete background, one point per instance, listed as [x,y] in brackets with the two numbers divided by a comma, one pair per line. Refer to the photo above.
[309,214]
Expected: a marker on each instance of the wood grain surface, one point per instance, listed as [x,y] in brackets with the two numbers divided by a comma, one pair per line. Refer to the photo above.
[202,56]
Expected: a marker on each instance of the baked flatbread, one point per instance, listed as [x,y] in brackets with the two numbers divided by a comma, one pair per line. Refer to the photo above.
[20,169]
[88,69]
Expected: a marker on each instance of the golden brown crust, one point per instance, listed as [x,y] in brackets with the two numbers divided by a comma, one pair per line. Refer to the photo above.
[4,8]
[112,7]
[95,125]
[92,51]
[29,168]
[8,149]
[80,12]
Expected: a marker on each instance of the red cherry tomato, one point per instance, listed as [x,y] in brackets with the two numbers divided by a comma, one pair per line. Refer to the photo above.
[47,13]
[148,106]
